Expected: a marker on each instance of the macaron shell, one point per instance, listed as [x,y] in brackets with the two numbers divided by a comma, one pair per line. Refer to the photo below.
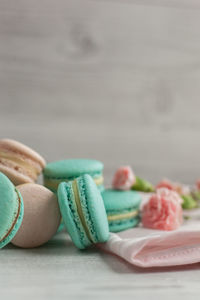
[15,226]
[91,225]
[11,210]
[70,215]
[97,219]
[118,203]
[23,150]
[41,216]
[101,188]
[16,177]
[123,225]
[120,200]
[19,162]
[72,168]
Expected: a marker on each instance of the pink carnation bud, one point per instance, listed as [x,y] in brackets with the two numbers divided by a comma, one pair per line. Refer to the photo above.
[165,183]
[173,186]
[124,178]
[163,211]
[198,184]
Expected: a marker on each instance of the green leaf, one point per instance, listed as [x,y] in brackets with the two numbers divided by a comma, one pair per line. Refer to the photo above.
[143,185]
[188,202]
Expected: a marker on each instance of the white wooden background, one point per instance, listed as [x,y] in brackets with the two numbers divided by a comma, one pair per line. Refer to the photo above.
[116,80]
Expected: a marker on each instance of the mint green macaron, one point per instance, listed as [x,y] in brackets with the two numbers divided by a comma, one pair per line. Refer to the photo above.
[66,170]
[11,210]
[122,208]
[83,211]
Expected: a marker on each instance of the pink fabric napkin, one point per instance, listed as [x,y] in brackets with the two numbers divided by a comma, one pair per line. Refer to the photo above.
[154,248]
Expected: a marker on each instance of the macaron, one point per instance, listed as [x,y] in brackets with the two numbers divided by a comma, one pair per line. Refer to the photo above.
[11,210]
[122,208]
[66,170]
[41,216]
[83,211]
[19,163]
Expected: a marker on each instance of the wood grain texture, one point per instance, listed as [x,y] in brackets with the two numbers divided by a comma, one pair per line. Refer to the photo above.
[59,271]
[108,79]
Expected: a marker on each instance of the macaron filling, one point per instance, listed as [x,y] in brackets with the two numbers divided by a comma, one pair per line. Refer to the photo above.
[98,180]
[123,216]
[20,161]
[120,225]
[53,183]
[22,152]
[69,206]
[85,198]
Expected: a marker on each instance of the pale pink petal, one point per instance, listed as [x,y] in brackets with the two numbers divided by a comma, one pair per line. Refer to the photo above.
[163,210]
[124,178]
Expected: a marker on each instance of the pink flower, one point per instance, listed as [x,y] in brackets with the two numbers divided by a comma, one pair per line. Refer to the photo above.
[163,211]
[173,186]
[165,183]
[198,184]
[124,178]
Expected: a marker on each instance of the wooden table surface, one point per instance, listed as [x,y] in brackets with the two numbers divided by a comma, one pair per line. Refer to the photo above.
[115,80]
[59,271]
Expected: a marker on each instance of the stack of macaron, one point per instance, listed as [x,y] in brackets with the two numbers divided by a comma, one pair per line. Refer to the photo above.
[30,213]
[73,191]
[122,208]
[67,170]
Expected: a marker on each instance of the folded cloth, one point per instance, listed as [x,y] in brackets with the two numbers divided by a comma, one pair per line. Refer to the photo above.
[154,248]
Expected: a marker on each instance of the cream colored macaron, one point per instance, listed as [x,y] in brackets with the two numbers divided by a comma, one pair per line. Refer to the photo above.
[41,216]
[20,163]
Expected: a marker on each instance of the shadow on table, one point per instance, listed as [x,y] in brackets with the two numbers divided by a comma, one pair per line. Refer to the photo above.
[59,245]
